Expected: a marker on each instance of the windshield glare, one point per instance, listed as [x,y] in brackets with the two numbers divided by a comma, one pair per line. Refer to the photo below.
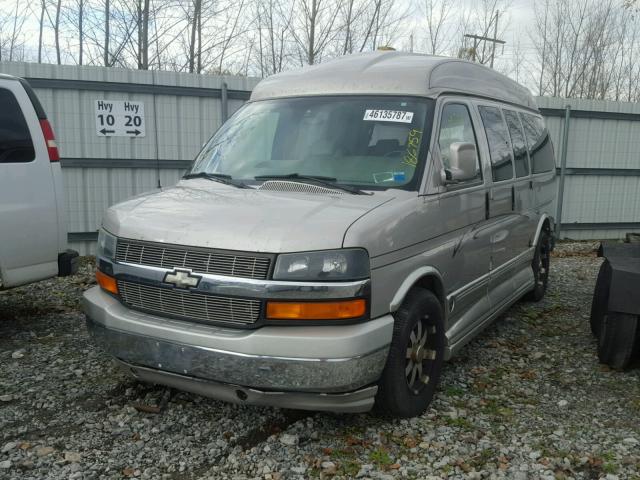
[367,142]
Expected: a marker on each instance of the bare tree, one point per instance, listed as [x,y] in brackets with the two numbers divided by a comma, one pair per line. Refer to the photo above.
[589,50]
[315,28]
[350,15]
[56,29]
[369,24]
[542,24]
[437,14]
[80,30]
[107,24]
[233,28]
[143,33]
[6,33]
[196,27]
[15,24]
[74,17]
[273,23]
[43,7]
[582,48]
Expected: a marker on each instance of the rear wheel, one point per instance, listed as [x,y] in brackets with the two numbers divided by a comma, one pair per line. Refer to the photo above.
[416,355]
[540,266]
[599,304]
[618,339]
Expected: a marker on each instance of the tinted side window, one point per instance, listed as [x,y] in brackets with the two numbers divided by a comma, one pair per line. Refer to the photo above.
[456,126]
[539,143]
[15,140]
[518,143]
[498,138]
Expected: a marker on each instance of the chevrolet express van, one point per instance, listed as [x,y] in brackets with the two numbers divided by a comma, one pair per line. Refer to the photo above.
[347,231]
[33,225]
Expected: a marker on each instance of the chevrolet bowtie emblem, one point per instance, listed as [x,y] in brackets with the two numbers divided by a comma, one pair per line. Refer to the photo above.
[182,278]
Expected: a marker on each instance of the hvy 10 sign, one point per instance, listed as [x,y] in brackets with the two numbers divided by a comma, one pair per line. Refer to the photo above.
[119,118]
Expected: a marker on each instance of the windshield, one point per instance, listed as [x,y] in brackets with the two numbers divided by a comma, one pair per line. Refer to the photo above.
[367,142]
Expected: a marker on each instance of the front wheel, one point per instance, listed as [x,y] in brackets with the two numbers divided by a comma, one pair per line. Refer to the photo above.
[416,355]
[540,266]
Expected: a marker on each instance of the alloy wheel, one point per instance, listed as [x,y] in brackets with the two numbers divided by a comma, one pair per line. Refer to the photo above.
[421,355]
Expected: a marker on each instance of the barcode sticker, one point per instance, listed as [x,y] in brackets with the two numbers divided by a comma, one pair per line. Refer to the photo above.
[388,116]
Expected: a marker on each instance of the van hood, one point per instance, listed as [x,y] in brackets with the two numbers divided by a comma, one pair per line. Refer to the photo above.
[205,214]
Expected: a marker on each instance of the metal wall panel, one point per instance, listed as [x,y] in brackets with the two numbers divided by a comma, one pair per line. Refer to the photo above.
[602,135]
[90,191]
[586,201]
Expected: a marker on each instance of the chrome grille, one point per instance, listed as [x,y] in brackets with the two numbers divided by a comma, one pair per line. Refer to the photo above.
[189,305]
[200,261]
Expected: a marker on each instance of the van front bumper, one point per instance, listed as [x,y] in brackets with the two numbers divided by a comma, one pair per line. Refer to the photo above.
[316,368]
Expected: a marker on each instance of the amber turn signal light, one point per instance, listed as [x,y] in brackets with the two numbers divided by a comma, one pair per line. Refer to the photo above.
[316,310]
[106,282]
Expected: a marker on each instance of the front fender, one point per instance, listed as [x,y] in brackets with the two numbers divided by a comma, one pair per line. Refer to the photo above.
[412,279]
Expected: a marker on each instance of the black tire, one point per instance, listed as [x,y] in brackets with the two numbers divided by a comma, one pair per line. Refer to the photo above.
[618,339]
[412,372]
[540,266]
[600,302]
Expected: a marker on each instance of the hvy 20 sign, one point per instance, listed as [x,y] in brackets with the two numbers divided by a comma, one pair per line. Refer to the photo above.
[119,118]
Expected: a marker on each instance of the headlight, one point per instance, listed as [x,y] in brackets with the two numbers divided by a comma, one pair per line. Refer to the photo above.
[106,245]
[328,265]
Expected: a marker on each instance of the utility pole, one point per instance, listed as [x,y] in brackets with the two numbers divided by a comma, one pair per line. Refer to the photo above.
[495,35]
[483,38]
[411,43]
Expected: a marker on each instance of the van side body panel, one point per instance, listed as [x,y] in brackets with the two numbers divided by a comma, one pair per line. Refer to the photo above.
[31,236]
[405,235]
[484,263]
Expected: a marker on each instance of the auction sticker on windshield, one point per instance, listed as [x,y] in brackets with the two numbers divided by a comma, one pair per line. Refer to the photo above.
[388,116]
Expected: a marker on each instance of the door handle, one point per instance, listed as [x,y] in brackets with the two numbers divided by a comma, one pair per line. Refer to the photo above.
[486,206]
[513,198]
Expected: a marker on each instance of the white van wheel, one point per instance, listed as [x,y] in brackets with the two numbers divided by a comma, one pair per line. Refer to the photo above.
[416,355]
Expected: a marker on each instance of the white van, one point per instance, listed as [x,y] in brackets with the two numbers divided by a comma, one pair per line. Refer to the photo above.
[33,234]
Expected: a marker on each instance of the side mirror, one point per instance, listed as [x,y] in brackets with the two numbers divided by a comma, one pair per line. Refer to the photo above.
[463,160]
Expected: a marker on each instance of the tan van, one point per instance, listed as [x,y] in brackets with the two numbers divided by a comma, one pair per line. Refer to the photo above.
[342,235]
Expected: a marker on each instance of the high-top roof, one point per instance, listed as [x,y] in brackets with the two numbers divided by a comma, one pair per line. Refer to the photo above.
[394,73]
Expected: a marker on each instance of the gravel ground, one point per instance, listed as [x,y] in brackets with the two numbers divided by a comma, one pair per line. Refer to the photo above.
[526,399]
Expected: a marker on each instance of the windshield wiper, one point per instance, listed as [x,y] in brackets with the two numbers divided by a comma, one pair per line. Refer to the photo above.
[318,179]
[217,177]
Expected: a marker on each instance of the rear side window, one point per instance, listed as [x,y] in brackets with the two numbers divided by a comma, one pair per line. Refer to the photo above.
[539,143]
[15,140]
[499,148]
[518,143]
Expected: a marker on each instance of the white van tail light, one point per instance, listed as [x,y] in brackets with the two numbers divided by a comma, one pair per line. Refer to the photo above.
[50,140]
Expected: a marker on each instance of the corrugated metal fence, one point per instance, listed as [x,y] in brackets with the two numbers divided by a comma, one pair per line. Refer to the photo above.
[601,194]
[602,174]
